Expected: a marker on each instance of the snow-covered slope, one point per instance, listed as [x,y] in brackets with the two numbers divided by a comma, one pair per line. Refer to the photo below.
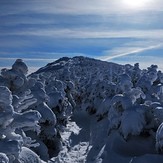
[83,110]
[117,108]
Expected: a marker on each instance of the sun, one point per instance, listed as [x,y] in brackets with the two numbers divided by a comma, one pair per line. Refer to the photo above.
[135,3]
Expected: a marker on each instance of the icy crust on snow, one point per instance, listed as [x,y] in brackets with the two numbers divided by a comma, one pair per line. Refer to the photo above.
[81,110]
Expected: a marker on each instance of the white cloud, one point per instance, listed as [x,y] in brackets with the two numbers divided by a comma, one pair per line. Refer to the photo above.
[12,40]
[29,59]
[37,55]
[62,7]
[96,6]
[131,53]
[89,33]
[125,51]
[74,6]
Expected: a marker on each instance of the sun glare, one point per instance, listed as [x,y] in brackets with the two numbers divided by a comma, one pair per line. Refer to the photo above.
[135,3]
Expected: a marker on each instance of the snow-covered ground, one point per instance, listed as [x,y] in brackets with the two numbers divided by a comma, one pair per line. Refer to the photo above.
[78,110]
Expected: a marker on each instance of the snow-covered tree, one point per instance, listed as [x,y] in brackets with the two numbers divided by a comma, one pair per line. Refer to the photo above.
[12,141]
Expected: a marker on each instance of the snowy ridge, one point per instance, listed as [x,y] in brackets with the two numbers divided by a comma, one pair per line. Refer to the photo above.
[81,110]
[75,62]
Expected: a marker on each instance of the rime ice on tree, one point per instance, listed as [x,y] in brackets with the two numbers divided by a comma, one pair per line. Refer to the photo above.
[12,142]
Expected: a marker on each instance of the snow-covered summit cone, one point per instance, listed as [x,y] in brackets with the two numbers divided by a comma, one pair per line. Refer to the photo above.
[78,61]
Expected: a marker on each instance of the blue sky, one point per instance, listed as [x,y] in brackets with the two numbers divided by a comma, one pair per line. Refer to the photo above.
[40,31]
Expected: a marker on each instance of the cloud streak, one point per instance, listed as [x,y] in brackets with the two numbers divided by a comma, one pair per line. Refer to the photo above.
[131,52]
[72,6]
[29,59]
[88,33]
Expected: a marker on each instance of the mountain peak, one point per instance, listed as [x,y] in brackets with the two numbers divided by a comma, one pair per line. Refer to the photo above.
[77,61]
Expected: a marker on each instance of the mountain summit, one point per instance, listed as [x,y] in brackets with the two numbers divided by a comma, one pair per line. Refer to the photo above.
[74,62]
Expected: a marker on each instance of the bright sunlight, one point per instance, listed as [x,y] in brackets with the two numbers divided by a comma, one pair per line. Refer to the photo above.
[135,3]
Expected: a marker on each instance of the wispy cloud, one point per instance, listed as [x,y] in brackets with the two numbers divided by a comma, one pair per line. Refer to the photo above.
[60,7]
[36,55]
[128,51]
[40,32]
[88,33]
[72,6]
[29,59]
